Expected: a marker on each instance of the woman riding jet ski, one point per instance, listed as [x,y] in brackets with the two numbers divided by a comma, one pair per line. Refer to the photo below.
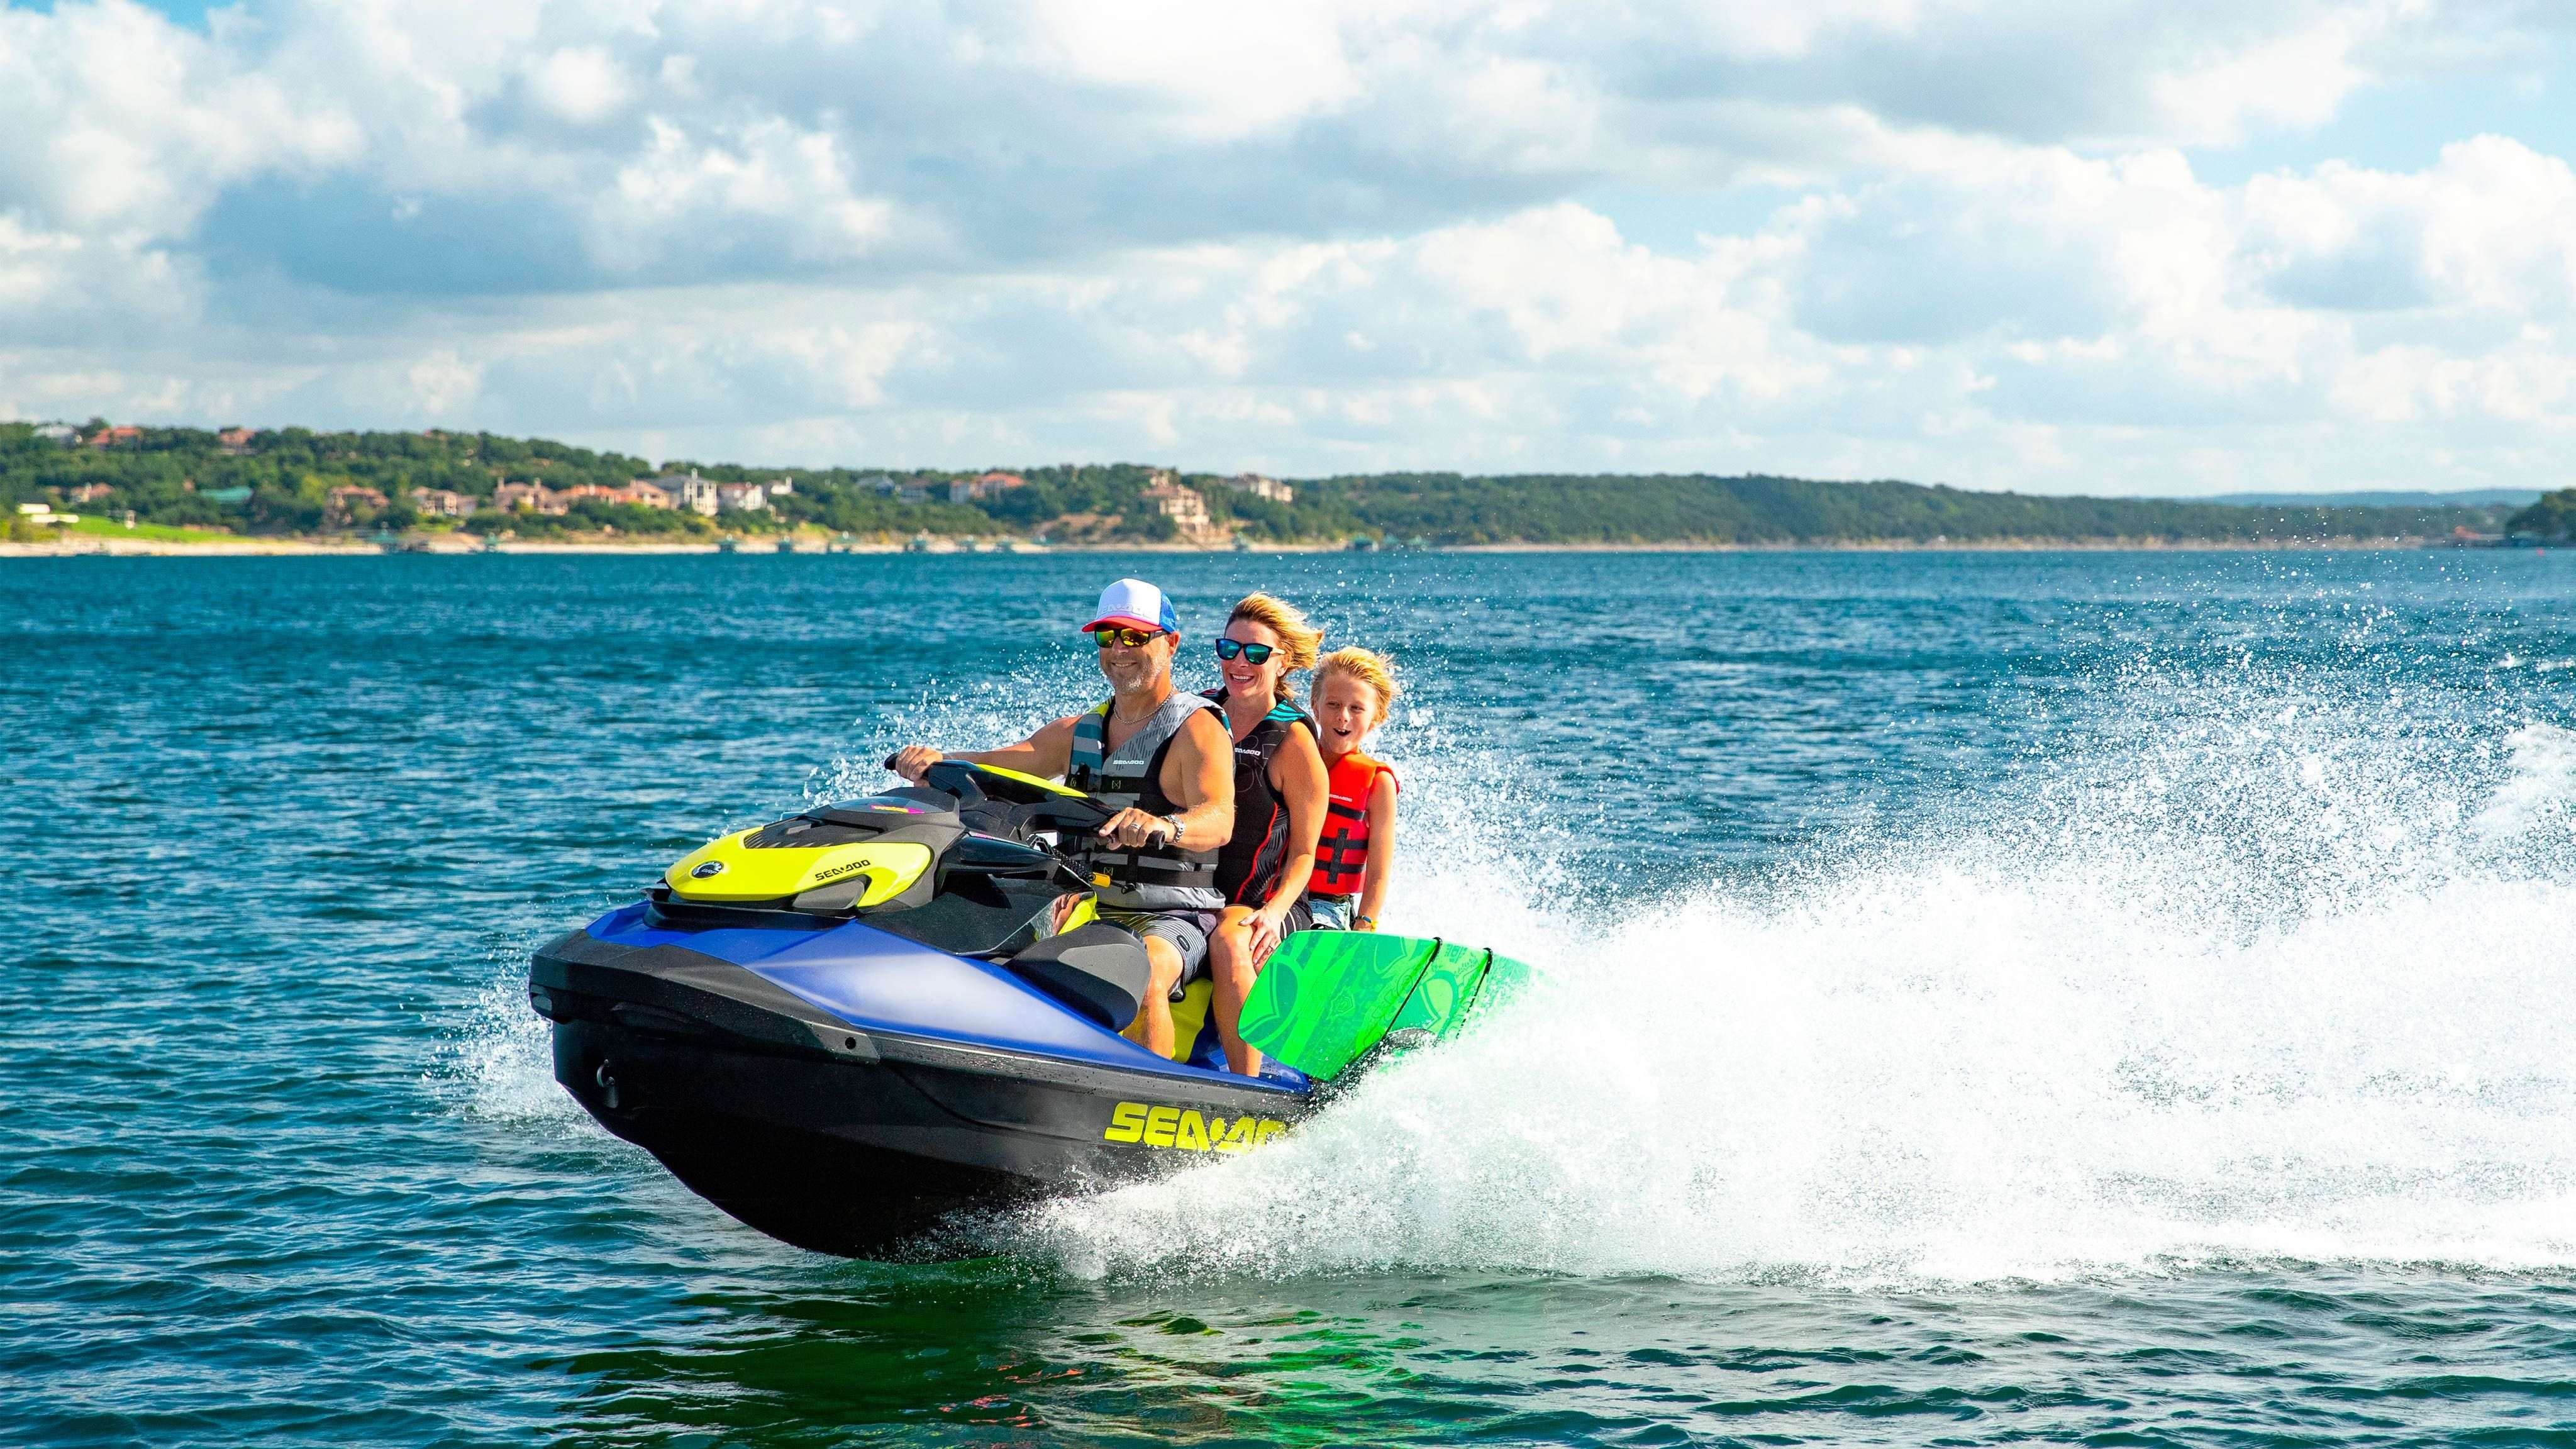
[846,1024]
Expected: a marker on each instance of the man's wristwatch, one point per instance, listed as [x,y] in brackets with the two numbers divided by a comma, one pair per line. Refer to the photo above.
[1174,821]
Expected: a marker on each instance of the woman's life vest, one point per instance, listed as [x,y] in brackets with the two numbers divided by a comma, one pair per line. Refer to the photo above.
[1341,857]
[1151,877]
[1247,866]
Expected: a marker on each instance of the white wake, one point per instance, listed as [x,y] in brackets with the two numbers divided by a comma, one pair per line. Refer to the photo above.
[2277,982]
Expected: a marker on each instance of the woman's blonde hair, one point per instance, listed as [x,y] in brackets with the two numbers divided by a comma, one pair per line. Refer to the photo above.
[1365,665]
[1298,640]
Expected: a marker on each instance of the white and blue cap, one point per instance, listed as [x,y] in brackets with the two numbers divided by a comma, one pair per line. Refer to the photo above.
[1138,604]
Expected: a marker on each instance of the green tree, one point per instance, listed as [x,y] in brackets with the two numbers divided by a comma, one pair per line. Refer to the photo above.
[2552,517]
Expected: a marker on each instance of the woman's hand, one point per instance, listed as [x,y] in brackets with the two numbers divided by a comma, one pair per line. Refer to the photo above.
[1263,932]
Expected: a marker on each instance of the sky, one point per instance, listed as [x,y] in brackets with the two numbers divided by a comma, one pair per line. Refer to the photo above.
[2172,247]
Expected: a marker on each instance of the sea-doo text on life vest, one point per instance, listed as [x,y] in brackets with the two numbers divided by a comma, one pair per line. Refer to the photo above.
[1144,878]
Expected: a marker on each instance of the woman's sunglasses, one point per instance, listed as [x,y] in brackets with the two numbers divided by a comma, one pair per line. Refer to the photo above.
[1109,634]
[1228,648]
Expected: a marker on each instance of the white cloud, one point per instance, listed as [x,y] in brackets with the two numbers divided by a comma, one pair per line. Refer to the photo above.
[581,84]
[1307,237]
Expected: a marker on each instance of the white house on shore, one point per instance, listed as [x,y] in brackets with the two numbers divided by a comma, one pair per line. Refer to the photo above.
[696,494]
[1262,487]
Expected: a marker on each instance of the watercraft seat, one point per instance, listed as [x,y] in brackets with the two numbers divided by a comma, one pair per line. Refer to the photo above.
[1097,969]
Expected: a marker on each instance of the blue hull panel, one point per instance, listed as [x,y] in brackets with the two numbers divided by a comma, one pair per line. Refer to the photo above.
[883,982]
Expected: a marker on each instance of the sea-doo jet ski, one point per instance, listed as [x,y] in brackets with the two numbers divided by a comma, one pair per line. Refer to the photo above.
[845,1025]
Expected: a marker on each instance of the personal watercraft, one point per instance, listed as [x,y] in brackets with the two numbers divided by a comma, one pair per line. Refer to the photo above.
[846,1025]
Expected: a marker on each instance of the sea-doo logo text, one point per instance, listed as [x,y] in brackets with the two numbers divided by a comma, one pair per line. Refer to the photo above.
[712,867]
[1187,1131]
[840,870]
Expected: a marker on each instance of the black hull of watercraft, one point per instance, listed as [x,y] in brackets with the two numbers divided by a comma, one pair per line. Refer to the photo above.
[851,1139]
[841,1158]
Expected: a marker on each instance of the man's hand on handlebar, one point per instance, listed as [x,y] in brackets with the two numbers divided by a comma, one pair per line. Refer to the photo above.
[911,760]
[1132,827]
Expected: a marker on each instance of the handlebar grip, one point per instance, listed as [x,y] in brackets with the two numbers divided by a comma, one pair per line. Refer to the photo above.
[889,762]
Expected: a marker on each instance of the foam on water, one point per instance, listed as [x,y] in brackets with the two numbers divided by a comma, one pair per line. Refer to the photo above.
[497,1061]
[2235,970]
[2249,975]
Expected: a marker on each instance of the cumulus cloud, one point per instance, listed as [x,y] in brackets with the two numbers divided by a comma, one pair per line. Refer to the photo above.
[1326,236]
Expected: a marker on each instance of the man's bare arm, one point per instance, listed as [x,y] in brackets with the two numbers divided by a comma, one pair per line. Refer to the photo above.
[1204,757]
[1046,754]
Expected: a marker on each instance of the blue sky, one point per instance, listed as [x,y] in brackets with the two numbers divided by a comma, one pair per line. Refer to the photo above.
[2177,248]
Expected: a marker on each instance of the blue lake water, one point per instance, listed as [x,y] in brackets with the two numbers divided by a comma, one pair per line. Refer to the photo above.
[1981,998]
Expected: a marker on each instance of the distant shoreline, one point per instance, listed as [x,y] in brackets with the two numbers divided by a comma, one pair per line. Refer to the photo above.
[92,546]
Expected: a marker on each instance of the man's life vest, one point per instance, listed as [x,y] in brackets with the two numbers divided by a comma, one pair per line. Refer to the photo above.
[1151,877]
[1247,866]
[1341,857]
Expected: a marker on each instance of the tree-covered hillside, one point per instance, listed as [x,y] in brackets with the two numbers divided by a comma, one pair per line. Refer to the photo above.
[2551,519]
[1534,508]
[282,482]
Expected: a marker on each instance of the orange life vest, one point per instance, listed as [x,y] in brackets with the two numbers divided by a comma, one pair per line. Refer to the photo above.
[1341,856]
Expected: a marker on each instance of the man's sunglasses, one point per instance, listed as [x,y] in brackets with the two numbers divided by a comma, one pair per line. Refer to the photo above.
[1228,648]
[1108,634]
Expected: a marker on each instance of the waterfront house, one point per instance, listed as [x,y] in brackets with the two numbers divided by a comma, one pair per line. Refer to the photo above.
[781,487]
[988,485]
[742,498]
[696,494]
[646,493]
[912,490]
[112,435]
[1262,487]
[235,441]
[535,497]
[61,435]
[440,503]
[91,492]
[1180,504]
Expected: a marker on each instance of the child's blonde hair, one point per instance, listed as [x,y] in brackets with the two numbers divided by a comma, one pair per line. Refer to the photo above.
[1298,640]
[1365,665]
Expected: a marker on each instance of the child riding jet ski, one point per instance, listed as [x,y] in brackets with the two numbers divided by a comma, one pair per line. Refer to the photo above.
[847,1024]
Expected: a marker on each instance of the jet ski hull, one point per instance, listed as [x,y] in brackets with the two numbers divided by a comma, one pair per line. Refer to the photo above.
[785,1086]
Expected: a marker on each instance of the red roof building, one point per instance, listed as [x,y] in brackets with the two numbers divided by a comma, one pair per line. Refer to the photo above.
[990,485]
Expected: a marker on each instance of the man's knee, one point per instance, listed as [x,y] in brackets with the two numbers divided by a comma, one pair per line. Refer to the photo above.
[1163,960]
[1229,942]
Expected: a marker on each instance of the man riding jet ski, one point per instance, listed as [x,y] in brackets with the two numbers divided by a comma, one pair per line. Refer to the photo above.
[844,1025]
[1163,760]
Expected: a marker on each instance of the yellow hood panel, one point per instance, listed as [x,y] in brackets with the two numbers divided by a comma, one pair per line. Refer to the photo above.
[743,874]
[1049,786]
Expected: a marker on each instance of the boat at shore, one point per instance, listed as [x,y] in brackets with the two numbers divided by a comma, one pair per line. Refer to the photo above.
[849,1025]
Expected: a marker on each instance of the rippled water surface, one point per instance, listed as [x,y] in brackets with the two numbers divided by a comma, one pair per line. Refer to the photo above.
[2117,997]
